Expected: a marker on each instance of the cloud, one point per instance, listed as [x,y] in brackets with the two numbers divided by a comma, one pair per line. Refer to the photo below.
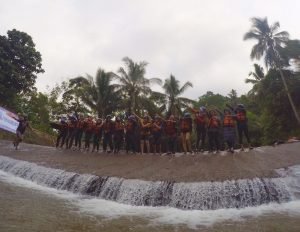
[197,41]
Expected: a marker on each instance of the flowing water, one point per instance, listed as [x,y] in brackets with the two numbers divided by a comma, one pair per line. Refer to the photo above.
[35,198]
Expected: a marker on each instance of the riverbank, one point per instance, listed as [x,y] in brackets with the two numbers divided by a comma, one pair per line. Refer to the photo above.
[259,162]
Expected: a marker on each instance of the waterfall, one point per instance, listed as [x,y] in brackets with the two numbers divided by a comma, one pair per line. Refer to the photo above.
[199,195]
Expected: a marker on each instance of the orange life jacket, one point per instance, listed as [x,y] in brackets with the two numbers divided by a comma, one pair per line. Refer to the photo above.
[170,128]
[119,126]
[97,128]
[213,122]
[107,127]
[89,126]
[228,121]
[146,129]
[241,116]
[200,120]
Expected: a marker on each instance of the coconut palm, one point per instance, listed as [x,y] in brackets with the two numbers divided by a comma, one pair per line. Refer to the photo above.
[174,103]
[258,75]
[99,93]
[134,84]
[269,42]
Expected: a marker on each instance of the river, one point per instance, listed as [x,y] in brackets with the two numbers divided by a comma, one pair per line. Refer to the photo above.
[26,206]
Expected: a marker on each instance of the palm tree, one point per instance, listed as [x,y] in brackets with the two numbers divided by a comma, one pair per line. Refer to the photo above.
[99,94]
[173,102]
[134,84]
[269,42]
[258,75]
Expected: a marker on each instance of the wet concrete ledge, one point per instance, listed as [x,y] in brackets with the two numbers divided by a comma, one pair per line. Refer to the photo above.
[260,162]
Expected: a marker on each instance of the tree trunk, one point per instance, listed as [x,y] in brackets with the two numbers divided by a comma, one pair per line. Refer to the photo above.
[278,64]
[289,96]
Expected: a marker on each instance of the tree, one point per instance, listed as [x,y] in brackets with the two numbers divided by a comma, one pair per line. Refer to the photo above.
[210,99]
[173,102]
[20,63]
[100,95]
[233,98]
[269,43]
[258,75]
[133,83]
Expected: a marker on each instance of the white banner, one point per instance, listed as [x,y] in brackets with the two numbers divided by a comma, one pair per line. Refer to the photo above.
[8,121]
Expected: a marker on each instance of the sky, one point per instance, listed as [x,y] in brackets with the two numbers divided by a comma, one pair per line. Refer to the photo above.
[200,41]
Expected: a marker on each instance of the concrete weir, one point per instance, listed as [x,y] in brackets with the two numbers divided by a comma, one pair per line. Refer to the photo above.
[198,195]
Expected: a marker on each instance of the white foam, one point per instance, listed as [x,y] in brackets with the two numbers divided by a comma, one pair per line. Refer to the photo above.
[155,215]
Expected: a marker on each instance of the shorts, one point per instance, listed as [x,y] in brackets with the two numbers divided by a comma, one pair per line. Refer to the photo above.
[145,137]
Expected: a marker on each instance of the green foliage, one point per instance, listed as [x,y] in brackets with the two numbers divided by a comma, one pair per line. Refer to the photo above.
[19,65]
[173,102]
[212,100]
[133,84]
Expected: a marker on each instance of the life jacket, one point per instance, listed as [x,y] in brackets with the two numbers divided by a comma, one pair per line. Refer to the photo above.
[81,124]
[119,126]
[107,127]
[97,129]
[170,128]
[145,130]
[154,129]
[185,125]
[241,116]
[213,122]
[200,119]
[89,126]
[228,121]
[72,124]
[130,126]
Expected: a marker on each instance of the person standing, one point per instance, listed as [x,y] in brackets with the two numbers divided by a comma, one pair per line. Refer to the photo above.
[213,128]
[107,134]
[229,129]
[186,127]
[88,131]
[171,134]
[97,134]
[118,134]
[62,132]
[242,124]
[157,127]
[73,120]
[145,133]
[81,124]
[130,137]
[200,121]
[23,124]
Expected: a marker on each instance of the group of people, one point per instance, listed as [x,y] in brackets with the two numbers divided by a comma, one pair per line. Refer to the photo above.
[146,135]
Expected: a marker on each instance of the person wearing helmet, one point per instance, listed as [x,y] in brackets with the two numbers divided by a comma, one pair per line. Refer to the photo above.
[62,132]
[73,120]
[242,124]
[200,120]
[118,134]
[156,131]
[213,128]
[171,134]
[97,134]
[130,136]
[107,128]
[186,126]
[145,133]
[88,131]
[23,124]
[81,124]
[229,119]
